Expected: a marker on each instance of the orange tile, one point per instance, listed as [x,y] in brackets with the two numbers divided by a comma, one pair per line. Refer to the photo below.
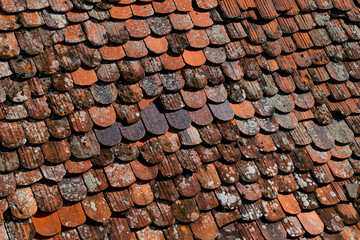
[120,12]
[77,167]
[137,28]
[103,116]
[289,204]
[181,21]
[141,194]
[74,34]
[197,38]
[84,77]
[22,203]
[265,142]
[156,45]
[244,110]
[96,208]
[72,215]
[142,10]
[171,62]
[135,49]
[112,52]
[47,224]
[201,19]
[164,7]
[183,5]
[148,233]
[207,5]
[31,19]
[204,227]
[311,222]
[8,22]
[194,58]
[318,155]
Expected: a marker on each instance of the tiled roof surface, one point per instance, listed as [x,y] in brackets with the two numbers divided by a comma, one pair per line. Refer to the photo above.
[179,119]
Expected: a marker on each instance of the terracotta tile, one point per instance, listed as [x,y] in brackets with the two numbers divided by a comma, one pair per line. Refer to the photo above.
[58,127]
[77,167]
[95,180]
[269,125]
[80,121]
[53,172]
[331,219]
[272,210]
[22,203]
[201,19]
[75,15]
[150,113]
[84,77]
[224,218]
[326,195]
[47,224]
[189,159]
[56,151]
[311,222]
[121,12]
[137,28]
[187,185]
[47,197]
[271,230]
[164,190]
[341,152]
[104,94]
[112,52]
[194,58]
[170,166]
[97,115]
[269,188]
[141,194]
[135,49]
[293,226]
[230,9]
[170,62]
[74,34]
[60,5]
[9,22]
[119,200]
[138,217]
[315,131]
[89,56]
[144,172]
[249,127]
[156,45]
[24,178]
[165,7]
[118,180]
[98,202]
[144,10]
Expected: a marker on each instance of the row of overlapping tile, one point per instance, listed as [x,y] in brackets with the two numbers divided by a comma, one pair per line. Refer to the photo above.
[179,119]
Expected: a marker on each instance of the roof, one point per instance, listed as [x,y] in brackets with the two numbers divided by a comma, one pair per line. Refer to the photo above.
[179,119]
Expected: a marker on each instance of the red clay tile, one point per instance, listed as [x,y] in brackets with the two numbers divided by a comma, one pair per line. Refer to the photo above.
[156,45]
[98,202]
[120,12]
[320,135]
[138,217]
[56,151]
[143,10]
[72,215]
[165,7]
[137,28]
[293,226]
[249,127]
[77,167]
[201,19]
[95,32]
[9,22]
[75,15]
[22,203]
[341,152]
[46,224]
[84,146]
[311,222]
[141,194]
[194,58]
[112,172]
[47,197]
[97,115]
[318,155]
[112,52]
[301,159]
[185,210]
[119,200]
[91,57]
[135,49]
[95,180]
[142,171]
